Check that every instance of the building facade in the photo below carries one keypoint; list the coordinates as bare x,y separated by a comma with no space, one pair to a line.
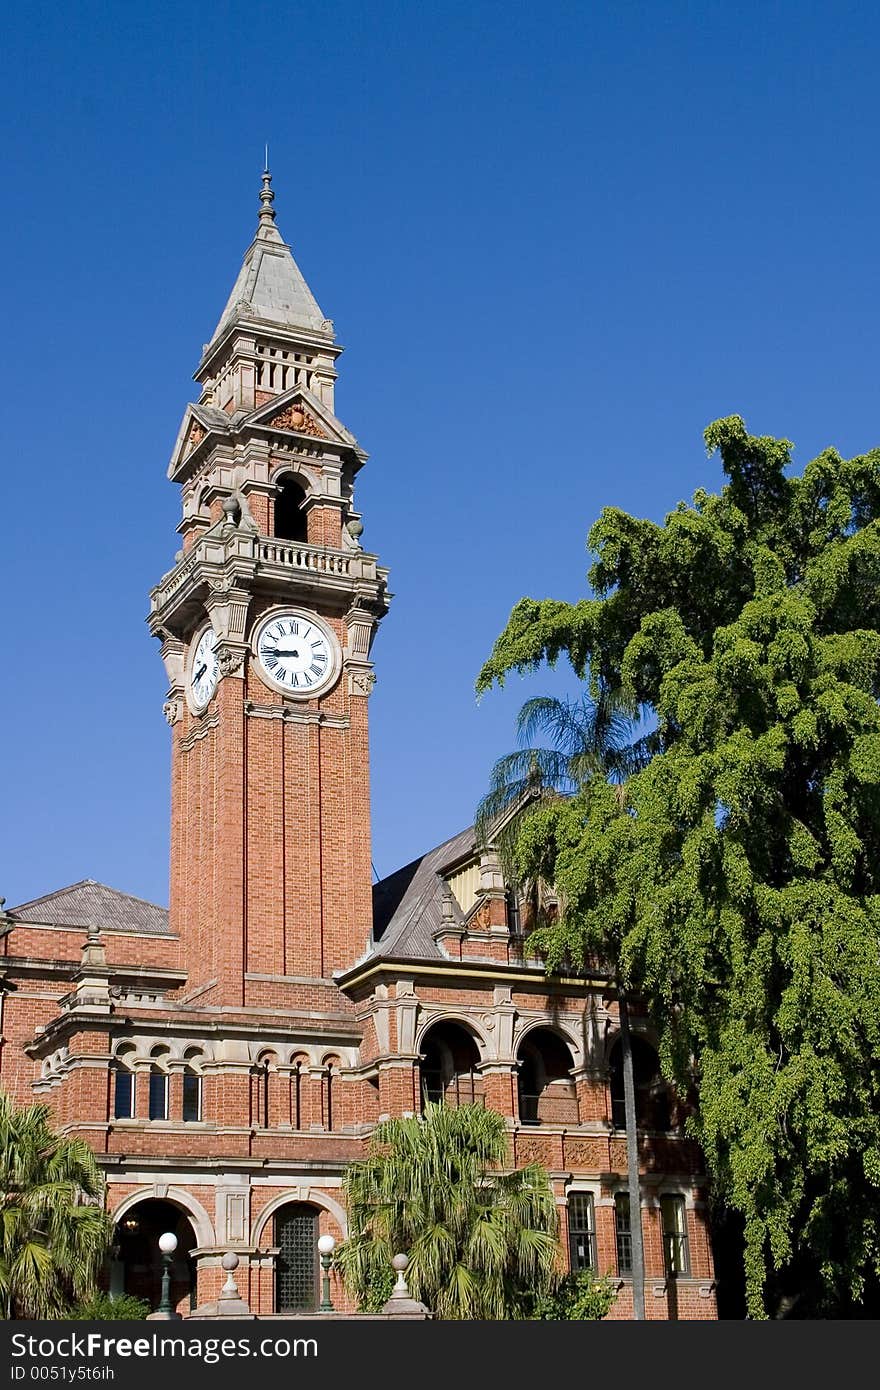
227,1058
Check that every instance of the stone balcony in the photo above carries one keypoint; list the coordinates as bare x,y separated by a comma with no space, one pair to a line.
229,556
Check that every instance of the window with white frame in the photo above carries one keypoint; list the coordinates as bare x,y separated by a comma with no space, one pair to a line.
623,1232
673,1215
581,1231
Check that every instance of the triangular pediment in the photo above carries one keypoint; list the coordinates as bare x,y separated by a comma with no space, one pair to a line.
300,412
198,421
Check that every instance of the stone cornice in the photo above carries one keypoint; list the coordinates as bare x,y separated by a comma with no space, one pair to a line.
486,971
227,558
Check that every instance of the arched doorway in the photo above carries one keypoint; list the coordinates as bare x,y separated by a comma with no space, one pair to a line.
448,1068
135,1259
547,1092
296,1268
652,1093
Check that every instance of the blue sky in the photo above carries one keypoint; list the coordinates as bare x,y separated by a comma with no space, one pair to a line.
557,241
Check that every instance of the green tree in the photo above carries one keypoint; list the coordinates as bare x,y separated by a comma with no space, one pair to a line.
590,739
106,1307
738,886
54,1232
481,1241
581,1297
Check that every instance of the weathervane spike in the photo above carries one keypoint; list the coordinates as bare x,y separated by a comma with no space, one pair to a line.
267,197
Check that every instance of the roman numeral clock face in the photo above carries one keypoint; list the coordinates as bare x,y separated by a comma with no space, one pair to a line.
297,654
204,670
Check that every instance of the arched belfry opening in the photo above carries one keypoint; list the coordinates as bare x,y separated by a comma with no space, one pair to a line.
289,517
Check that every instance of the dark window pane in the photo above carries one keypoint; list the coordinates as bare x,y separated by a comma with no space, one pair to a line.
192,1096
624,1233
158,1095
581,1231
296,1235
123,1100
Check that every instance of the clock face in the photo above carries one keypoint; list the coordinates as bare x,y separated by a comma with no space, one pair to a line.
204,670
295,653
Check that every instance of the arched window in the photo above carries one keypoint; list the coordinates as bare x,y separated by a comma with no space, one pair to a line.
192,1088
158,1093
449,1066
547,1092
290,518
330,1068
296,1095
123,1091
261,1090
652,1094
296,1270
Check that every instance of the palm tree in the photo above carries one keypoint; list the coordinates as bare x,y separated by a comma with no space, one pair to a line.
54,1232
482,1242
590,739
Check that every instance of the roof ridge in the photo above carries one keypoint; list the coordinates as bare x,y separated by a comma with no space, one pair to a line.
86,883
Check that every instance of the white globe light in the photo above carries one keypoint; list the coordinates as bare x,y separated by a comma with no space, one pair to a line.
326,1244
168,1243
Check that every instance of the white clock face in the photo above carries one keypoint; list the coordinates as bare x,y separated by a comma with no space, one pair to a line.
204,670
296,654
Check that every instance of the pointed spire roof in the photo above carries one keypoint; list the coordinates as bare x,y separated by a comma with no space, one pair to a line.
270,284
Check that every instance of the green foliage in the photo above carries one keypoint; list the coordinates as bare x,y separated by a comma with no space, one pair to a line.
480,1241
581,1297
738,885
103,1307
54,1232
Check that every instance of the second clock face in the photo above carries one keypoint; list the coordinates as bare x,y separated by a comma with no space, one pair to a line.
204,670
296,654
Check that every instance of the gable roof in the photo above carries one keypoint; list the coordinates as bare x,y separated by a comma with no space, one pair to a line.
407,905
88,903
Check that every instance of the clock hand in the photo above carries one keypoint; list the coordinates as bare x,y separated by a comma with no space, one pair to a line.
201,671
278,652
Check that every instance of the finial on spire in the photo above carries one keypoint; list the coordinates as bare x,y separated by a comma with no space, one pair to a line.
267,197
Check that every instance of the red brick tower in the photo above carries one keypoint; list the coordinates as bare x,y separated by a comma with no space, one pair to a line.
266,624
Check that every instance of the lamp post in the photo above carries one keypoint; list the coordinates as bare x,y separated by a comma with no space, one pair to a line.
326,1246
167,1245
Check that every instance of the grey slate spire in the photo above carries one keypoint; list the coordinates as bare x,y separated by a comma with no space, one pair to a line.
270,284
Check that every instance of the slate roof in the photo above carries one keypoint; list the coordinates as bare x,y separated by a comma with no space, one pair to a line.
270,283
212,417
407,904
90,903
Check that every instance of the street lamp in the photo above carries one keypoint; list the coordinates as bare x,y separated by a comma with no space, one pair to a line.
167,1245
326,1246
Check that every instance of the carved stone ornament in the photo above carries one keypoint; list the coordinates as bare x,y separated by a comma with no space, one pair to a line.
296,417
229,660
361,682
196,435
172,710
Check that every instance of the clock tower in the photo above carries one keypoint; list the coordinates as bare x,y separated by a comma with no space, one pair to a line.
266,624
